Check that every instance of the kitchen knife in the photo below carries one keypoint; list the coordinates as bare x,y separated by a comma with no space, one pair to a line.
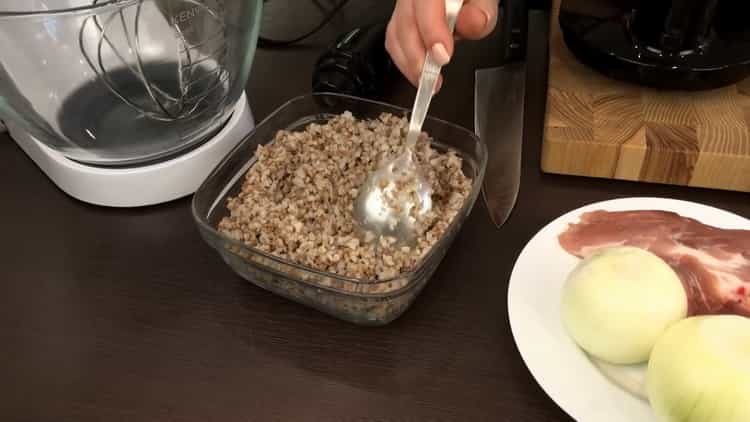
499,101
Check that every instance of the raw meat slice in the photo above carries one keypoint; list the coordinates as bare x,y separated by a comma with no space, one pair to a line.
713,263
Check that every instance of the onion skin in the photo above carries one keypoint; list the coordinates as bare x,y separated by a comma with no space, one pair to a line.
618,302
699,371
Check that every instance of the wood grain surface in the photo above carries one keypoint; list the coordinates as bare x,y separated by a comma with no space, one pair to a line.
599,127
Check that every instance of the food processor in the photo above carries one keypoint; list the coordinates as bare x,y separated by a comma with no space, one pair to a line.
127,103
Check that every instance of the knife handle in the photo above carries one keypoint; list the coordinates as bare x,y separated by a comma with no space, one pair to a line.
514,24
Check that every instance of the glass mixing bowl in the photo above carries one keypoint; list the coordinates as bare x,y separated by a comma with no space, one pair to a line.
360,301
124,82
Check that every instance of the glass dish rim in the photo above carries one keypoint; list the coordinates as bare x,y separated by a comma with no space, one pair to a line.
475,190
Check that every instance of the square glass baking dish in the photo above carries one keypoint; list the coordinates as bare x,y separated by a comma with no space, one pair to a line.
360,301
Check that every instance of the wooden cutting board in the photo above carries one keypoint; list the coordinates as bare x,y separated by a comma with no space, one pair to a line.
599,127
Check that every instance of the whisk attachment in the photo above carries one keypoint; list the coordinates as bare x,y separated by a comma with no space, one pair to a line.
174,53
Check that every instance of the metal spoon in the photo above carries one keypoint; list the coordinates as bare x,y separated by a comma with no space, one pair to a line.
396,194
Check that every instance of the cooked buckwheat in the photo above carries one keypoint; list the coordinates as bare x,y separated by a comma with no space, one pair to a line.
296,200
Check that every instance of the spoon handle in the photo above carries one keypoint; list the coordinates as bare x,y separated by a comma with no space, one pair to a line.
428,80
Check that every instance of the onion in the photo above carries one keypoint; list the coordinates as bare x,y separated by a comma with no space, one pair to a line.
699,371
619,301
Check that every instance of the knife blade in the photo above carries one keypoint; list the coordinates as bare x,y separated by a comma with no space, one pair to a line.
499,101
499,115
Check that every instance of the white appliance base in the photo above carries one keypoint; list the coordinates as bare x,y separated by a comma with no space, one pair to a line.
138,186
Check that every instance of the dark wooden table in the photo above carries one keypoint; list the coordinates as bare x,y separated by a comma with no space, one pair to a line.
126,315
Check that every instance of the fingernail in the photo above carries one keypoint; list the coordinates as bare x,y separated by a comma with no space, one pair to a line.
486,18
440,54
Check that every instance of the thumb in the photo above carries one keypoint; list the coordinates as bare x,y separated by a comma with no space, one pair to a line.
477,19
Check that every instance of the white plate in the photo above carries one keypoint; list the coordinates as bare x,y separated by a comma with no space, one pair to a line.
563,371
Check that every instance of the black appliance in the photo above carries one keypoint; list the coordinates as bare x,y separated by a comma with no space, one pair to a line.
358,64
671,44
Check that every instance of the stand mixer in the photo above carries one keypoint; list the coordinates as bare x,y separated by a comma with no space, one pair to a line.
127,103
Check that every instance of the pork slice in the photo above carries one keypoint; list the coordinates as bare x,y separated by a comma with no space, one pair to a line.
712,263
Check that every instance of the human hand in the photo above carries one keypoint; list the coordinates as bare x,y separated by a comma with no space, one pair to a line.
419,26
